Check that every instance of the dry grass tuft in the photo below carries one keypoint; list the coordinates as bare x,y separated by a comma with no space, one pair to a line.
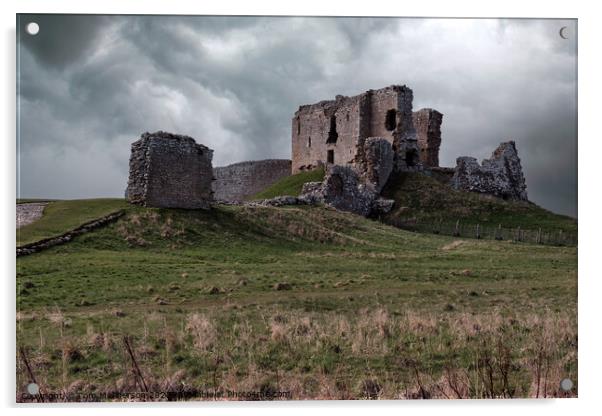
202,330
453,245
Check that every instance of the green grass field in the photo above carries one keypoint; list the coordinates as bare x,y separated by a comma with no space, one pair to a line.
291,185
308,300
62,216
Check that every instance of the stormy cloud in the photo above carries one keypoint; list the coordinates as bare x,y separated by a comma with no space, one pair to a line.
90,85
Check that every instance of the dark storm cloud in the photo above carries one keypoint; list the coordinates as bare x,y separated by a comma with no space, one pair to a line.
91,84
63,39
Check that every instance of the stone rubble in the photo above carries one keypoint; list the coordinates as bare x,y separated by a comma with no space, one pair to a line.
501,175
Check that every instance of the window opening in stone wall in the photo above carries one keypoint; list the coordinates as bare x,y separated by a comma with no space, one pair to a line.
309,141
332,133
330,156
391,120
410,158
298,126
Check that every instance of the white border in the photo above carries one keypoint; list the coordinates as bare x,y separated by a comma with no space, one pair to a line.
590,150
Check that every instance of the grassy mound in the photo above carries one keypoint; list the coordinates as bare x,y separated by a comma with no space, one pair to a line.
291,185
309,300
427,199
62,216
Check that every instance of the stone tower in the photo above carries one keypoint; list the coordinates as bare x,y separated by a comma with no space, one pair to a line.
333,132
170,171
427,123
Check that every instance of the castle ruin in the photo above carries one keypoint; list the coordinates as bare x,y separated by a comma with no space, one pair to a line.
501,175
362,141
240,180
171,171
333,132
427,123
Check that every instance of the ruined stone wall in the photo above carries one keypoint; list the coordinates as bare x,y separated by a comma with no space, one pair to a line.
378,162
171,171
236,182
313,135
339,127
382,101
501,175
427,123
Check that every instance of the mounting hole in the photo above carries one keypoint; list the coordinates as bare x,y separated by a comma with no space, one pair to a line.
33,389
32,28
566,384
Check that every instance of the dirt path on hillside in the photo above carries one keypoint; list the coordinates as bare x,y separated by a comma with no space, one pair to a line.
30,212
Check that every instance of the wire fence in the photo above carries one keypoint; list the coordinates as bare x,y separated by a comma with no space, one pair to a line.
488,232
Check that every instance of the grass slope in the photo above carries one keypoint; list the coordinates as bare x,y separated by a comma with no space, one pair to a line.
364,309
62,216
423,197
291,185
30,200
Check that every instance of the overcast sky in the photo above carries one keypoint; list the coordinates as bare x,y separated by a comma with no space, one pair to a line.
90,85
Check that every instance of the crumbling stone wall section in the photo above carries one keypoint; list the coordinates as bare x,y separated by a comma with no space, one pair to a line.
171,171
333,132
323,129
501,175
345,189
236,182
342,189
377,162
427,123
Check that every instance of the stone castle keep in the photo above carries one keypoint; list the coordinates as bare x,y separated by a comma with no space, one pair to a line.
361,141
334,132
171,171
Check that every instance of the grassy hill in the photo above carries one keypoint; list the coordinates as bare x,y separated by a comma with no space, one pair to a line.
291,185
309,300
62,216
422,197
419,196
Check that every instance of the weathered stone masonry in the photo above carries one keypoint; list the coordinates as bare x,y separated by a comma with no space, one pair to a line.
171,171
501,175
333,132
375,135
427,123
361,140
240,180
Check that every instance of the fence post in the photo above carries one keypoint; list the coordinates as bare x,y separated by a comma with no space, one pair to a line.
498,232
457,230
478,232
561,242
32,377
538,239
137,371
517,234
